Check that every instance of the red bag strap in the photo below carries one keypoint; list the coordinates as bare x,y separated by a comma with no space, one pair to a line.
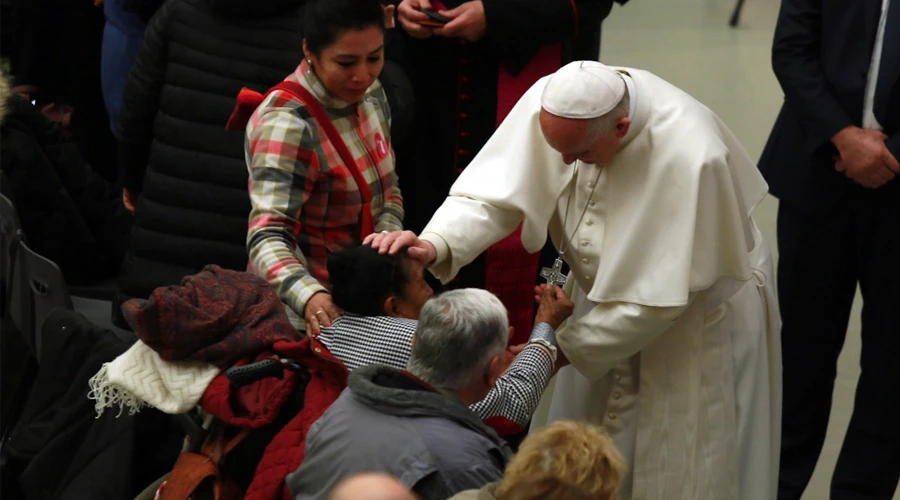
367,225
247,102
191,470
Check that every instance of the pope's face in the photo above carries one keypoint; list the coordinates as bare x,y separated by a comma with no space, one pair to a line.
578,140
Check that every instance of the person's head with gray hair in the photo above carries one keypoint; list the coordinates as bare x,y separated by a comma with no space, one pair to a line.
584,112
460,343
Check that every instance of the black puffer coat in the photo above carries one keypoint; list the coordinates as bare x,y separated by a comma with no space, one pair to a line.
189,171
69,214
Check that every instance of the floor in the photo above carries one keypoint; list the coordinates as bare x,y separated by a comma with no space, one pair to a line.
690,44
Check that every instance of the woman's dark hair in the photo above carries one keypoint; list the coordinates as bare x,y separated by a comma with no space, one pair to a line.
326,19
362,279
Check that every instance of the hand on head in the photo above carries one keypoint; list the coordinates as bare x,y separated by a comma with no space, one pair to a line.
393,243
864,157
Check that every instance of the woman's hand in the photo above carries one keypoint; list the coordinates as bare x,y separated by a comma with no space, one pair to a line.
130,200
320,312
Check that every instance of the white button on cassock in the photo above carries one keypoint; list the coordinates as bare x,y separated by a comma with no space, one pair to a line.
588,222
586,260
585,243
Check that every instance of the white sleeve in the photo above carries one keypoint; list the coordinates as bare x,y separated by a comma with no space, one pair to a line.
613,332
515,178
476,225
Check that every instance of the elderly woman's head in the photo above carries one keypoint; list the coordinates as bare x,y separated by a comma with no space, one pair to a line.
564,461
344,44
367,283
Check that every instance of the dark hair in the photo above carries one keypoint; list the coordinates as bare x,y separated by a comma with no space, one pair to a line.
326,19
362,279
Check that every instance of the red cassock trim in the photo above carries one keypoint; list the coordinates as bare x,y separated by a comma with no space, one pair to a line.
575,14
511,271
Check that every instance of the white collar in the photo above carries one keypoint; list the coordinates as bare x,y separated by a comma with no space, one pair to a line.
638,109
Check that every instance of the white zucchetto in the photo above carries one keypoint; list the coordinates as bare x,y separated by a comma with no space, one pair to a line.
583,90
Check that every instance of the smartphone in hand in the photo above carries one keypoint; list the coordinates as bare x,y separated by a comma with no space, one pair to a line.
436,20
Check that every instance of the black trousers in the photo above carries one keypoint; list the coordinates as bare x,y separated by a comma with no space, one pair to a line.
822,259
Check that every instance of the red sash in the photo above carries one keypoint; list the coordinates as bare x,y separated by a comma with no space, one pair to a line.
247,102
511,272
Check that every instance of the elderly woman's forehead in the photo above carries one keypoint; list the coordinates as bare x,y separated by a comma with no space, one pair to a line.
411,263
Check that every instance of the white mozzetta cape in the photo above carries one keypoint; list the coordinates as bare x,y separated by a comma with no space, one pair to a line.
668,269
678,208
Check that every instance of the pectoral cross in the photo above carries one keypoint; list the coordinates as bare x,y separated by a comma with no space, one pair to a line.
554,274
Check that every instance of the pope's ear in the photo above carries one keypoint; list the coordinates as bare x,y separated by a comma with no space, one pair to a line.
622,127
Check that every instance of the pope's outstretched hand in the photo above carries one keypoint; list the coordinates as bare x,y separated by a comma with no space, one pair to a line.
394,242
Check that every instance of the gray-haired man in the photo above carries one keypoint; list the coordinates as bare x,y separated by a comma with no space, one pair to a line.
415,424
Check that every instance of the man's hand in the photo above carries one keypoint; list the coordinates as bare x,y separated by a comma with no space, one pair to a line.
392,243
411,18
512,352
864,157
320,312
555,306
468,22
129,199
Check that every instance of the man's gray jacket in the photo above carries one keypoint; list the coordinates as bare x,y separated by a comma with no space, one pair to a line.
388,421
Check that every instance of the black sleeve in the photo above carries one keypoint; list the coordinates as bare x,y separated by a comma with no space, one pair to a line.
518,28
397,86
68,211
143,8
795,60
893,145
140,100
401,99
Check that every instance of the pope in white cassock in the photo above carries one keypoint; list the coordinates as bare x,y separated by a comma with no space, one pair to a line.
647,196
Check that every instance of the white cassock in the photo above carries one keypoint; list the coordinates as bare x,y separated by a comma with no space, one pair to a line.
674,342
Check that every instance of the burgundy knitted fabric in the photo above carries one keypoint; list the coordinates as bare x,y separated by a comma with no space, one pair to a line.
217,315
